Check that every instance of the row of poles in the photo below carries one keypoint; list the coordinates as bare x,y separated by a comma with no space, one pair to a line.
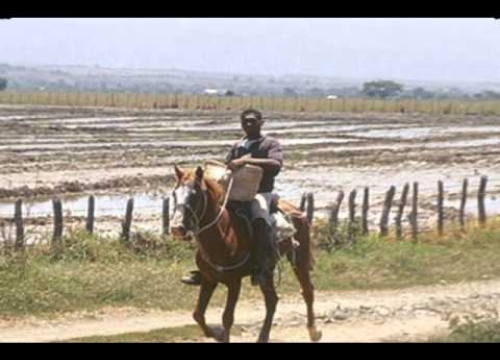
306,205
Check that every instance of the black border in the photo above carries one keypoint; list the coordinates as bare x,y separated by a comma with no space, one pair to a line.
248,8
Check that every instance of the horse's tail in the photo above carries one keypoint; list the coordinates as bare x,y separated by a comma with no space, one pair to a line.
304,254
304,251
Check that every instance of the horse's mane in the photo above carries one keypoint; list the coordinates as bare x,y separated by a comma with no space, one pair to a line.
216,190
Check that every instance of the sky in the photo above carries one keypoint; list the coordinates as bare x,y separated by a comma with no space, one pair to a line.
449,49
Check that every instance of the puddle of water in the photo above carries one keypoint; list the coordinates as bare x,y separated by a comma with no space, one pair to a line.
145,125
465,143
114,205
22,117
151,205
421,132
151,144
106,205
403,146
87,120
491,205
398,134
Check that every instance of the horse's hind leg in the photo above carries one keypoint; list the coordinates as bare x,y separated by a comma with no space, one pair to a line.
206,290
271,300
307,290
302,267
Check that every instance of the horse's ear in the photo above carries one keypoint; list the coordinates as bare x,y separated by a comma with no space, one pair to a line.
199,174
179,174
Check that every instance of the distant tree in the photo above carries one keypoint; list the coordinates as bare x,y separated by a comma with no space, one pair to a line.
382,89
351,91
421,93
316,92
489,94
288,91
104,87
3,84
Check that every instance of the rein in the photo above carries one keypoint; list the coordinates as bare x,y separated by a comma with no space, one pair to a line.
203,252
223,207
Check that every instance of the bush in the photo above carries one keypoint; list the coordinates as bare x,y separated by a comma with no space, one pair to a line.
382,89
3,84
484,328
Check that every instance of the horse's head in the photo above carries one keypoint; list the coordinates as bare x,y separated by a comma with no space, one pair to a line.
190,200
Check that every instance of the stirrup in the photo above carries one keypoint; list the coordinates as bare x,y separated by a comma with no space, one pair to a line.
258,279
193,279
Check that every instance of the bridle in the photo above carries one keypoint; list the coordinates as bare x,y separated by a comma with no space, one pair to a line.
198,231
194,212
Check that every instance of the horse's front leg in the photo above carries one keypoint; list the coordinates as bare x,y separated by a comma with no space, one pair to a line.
271,300
233,292
206,290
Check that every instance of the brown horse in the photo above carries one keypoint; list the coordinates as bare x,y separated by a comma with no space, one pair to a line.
223,254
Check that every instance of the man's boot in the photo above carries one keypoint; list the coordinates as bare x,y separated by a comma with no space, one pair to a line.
193,279
263,252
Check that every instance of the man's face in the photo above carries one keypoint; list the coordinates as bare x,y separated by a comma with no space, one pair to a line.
251,126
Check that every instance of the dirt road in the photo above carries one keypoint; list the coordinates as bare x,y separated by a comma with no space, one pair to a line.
410,314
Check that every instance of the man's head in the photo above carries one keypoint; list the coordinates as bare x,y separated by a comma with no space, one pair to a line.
251,122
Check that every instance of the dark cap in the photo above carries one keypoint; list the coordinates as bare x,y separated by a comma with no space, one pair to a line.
251,114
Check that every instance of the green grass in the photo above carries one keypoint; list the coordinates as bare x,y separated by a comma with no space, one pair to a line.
89,273
376,263
472,329
189,333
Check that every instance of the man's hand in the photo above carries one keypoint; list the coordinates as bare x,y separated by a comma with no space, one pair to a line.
236,163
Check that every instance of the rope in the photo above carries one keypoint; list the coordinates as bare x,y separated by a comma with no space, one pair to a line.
217,267
223,207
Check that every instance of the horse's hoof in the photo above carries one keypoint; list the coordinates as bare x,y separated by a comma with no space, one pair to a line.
217,332
315,334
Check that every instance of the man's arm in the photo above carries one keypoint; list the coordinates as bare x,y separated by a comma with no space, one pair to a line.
231,154
271,165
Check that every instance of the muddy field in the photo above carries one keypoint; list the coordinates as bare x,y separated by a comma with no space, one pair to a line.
118,153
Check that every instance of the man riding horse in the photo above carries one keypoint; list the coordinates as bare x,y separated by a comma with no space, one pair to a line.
266,152
225,245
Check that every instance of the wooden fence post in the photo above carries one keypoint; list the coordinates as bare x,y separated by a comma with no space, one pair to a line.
384,219
414,212
127,223
364,211
303,202
334,216
58,220
166,216
352,214
480,199
90,215
399,215
310,207
462,204
18,220
440,201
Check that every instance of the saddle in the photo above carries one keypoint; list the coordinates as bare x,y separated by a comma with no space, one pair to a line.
242,209
280,209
